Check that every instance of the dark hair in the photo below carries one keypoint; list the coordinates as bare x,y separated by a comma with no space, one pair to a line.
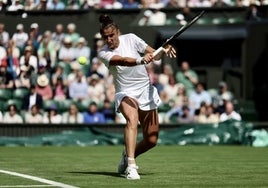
105,22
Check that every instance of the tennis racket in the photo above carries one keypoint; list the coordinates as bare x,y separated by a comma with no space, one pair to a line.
179,32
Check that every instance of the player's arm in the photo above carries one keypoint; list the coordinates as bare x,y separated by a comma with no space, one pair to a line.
129,61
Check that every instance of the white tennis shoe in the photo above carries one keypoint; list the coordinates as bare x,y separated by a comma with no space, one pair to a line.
122,166
132,173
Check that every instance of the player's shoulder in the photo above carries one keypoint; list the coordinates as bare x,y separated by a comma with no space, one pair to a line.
128,35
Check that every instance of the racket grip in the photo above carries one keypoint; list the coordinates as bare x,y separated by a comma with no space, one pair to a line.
159,50
157,54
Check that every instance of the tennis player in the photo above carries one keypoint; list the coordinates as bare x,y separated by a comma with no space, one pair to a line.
135,97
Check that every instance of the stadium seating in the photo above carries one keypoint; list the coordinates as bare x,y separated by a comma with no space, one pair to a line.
5,94
20,93
65,104
16,102
47,104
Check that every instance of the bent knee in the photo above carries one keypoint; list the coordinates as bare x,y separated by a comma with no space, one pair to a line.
152,141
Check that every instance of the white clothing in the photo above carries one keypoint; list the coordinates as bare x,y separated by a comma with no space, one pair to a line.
20,39
32,61
12,119
234,115
131,81
56,119
157,18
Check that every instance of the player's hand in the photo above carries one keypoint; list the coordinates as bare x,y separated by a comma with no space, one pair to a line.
147,58
170,51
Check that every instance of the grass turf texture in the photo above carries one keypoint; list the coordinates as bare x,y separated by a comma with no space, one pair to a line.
162,167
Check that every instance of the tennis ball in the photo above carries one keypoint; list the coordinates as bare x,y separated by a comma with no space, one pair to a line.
82,60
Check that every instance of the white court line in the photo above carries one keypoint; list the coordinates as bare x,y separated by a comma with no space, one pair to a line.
27,186
54,183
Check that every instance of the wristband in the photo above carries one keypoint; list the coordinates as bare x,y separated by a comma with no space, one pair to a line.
139,61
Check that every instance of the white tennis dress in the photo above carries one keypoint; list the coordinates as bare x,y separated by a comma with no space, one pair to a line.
131,81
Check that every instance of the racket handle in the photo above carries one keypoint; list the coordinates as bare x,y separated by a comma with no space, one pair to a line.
158,51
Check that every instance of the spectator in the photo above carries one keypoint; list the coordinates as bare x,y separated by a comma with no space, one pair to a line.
230,113
98,67
108,111
29,59
171,88
60,91
95,89
14,50
253,13
12,115
199,96
52,116
166,74
73,116
42,5
73,5
59,74
75,68
42,69
55,5
78,88
221,94
6,79
67,53
82,49
92,115
71,32
47,49
181,114
4,36
3,5
33,116
20,37
187,77
131,4
36,36
11,62
220,3
206,114
15,6
3,54
43,87
110,4
58,36
29,5
157,18
23,80
181,96
33,98
156,83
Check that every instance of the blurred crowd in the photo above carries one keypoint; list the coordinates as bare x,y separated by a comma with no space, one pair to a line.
41,81
28,5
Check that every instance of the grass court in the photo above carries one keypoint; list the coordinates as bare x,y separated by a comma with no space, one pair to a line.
162,167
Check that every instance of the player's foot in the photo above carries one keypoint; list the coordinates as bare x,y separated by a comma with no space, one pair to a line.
132,173
123,163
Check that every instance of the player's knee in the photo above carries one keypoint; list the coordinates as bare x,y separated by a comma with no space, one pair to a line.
152,141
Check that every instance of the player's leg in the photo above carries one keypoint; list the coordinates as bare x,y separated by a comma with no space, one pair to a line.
129,109
150,128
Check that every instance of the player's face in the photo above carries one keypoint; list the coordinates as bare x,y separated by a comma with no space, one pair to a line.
110,37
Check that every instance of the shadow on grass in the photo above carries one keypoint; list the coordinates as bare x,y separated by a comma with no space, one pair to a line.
112,174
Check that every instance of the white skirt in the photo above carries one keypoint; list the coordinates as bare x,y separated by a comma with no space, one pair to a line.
148,98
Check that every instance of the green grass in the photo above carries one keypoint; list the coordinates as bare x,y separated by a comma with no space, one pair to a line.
162,167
